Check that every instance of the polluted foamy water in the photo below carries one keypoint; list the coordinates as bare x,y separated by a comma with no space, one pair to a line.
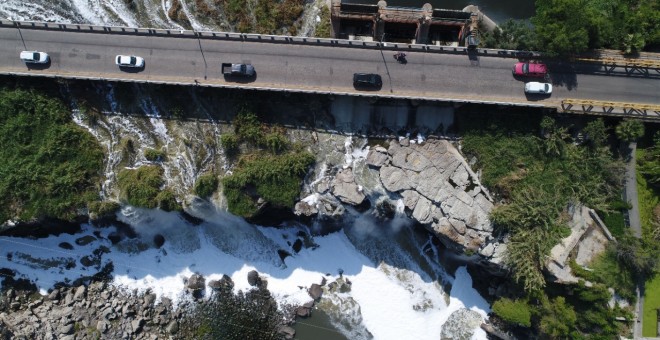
396,291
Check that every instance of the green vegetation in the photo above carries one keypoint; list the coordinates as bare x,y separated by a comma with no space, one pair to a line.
537,178
166,200
565,27
516,312
270,17
206,185
558,319
98,209
229,142
651,307
324,29
629,130
276,179
140,187
511,35
272,169
153,155
226,315
49,167
537,173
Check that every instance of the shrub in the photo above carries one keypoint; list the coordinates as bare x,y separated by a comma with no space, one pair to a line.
274,178
323,29
139,187
229,142
101,209
206,185
516,312
558,318
153,155
49,166
167,201
275,142
248,127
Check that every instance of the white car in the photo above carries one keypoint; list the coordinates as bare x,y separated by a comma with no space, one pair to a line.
34,57
129,61
536,87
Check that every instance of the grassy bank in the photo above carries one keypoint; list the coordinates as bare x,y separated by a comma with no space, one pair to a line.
651,306
49,166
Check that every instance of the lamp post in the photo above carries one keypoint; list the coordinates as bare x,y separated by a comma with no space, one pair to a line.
19,31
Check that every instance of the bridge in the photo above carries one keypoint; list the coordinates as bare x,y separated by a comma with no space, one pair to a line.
437,73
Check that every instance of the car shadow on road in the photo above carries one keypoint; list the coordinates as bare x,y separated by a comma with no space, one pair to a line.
562,74
131,69
240,79
534,97
33,66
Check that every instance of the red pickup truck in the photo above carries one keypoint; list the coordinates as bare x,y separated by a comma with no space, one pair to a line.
530,70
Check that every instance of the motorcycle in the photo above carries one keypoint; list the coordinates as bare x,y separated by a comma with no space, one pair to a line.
400,57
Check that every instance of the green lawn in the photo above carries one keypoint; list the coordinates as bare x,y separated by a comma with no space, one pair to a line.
651,306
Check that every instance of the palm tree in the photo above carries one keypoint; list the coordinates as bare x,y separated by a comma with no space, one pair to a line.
629,130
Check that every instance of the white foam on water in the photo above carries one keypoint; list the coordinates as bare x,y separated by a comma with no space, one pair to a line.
395,302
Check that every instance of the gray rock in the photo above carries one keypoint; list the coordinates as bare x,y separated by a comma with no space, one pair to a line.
172,327
85,240
459,226
136,325
68,337
303,208
428,183
461,325
150,298
196,282
377,157
287,331
54,295
422,212
464,197
315,291
66,329
80,293
253,278
68,300
483,203
102,326
345,188
394,179
460,211
410,198
410,160
461,177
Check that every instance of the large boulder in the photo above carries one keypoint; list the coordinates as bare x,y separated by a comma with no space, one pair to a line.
394,179
345,188
377,157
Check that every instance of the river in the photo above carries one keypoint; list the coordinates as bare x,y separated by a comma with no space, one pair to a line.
498,10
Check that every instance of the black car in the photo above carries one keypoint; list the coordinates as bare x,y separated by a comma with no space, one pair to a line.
367,80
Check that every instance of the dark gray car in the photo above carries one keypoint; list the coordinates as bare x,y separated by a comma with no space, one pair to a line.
367,80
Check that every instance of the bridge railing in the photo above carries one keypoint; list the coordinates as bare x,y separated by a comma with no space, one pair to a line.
262,38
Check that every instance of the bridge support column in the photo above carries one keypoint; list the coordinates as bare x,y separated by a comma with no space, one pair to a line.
335,22
424,24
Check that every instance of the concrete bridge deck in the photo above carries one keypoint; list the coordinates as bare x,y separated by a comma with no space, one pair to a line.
307,65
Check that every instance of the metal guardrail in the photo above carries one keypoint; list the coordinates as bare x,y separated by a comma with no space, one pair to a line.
248,37
277,89
648,112
623,62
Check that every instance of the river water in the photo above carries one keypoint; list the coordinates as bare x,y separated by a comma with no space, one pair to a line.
498,10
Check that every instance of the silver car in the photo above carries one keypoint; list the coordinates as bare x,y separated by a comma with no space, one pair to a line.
34,57
536,87
129,61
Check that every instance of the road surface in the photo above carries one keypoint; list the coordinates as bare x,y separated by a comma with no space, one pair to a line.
306,67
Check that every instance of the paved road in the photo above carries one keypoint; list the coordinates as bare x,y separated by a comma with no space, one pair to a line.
636,226
304,67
